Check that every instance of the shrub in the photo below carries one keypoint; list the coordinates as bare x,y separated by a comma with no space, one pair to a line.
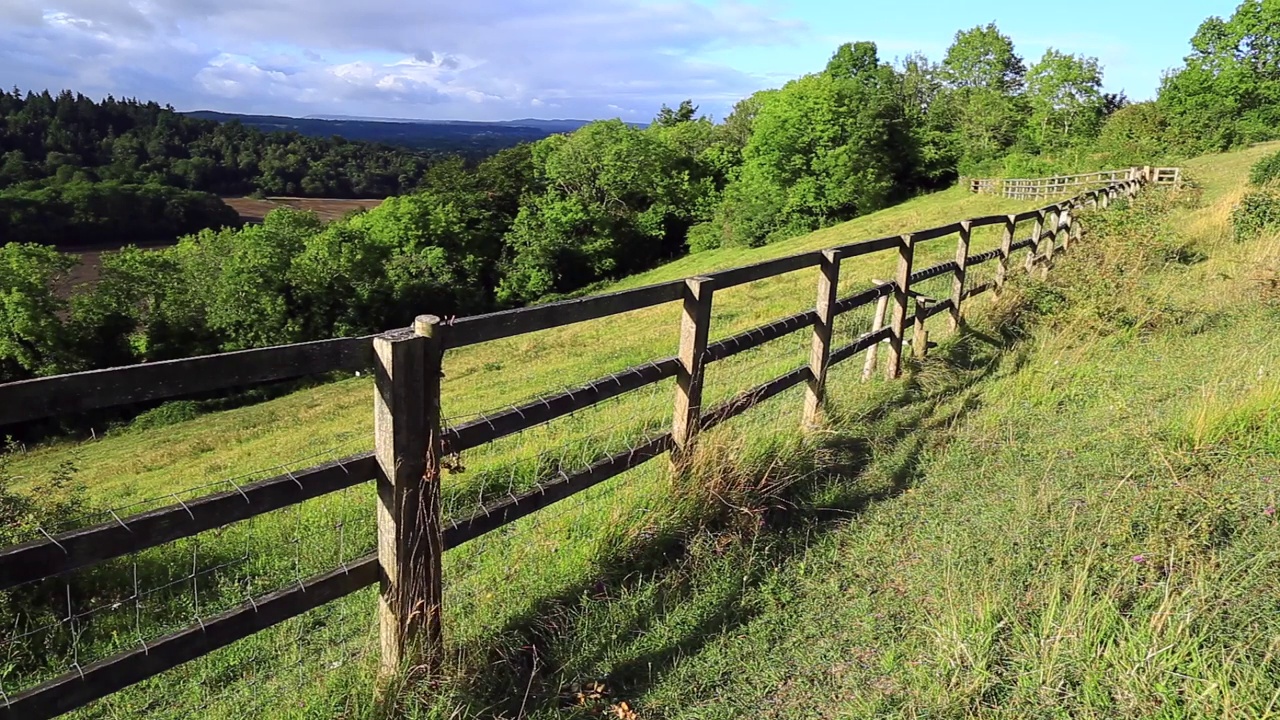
1266,171
170,413
1258,211
704,236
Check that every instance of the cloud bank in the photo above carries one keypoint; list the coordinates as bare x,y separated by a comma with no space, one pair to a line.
397,58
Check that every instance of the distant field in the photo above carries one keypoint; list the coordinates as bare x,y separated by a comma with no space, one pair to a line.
253,210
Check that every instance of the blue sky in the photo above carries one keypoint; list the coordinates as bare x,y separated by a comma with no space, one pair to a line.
504,59
1136,40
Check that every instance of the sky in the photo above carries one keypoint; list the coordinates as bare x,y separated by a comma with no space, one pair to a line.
508,59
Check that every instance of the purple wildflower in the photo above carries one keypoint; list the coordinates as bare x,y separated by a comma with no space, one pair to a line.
1139,559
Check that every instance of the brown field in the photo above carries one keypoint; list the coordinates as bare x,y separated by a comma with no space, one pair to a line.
252,210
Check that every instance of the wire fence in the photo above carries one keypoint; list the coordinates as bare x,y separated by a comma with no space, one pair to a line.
65,623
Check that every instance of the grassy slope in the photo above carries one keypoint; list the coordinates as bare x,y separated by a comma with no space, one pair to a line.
1079,525
137,464
503,580
962,543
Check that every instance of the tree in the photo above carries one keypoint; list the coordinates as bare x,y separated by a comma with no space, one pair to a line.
33,340
826,147
979,105
936,154
1065,95
1135,135
1228,90
667,117
609,197
983,58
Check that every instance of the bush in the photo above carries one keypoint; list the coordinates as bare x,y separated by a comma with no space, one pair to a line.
704,236
1258,211
170,413
1266,171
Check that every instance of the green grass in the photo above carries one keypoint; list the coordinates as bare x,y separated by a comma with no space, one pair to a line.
1056,515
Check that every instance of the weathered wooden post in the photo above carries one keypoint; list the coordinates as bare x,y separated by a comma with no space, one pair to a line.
406,422
820,350
957,282
695,325
1036,232
1053,238
1002,263
898,321
920,338
1065,224
877,323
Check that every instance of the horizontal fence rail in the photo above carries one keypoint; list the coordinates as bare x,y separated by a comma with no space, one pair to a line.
410,442
1033,188
96,389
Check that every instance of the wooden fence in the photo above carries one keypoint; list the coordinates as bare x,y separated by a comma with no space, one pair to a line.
1036,188
410,442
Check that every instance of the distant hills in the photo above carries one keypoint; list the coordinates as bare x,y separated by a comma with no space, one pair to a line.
466,137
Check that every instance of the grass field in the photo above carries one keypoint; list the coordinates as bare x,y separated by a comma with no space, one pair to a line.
1066,512
253,210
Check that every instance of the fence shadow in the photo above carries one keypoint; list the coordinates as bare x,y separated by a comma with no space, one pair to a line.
528,652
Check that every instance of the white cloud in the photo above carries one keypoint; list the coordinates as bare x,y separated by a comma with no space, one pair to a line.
404,59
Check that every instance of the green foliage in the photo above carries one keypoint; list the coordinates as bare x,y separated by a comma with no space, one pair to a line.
667,117
824,148
33,340
71,138
170,413
1228,91
85,213
1266,171
704,236
1064,93
984,58
611,197
979,107
1135,135
1257,212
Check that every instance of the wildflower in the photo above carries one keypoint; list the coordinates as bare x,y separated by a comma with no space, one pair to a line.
1139,559
1269,510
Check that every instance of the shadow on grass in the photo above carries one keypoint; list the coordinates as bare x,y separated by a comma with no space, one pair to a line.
551,658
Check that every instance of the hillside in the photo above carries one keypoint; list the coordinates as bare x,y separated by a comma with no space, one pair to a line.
1069,507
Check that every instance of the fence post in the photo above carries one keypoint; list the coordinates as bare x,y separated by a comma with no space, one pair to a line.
820,350
1002,263
898,321
877,322
406,422
1053,237
695,325
1035,241
957,282
1066,226
920,339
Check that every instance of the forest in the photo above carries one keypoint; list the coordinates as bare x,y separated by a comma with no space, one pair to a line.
70,138
468,139
569,212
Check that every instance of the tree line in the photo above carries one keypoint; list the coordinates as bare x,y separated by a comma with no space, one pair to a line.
47,139
573,211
